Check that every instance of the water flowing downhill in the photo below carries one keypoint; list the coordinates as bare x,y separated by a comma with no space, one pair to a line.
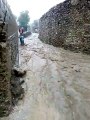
57,83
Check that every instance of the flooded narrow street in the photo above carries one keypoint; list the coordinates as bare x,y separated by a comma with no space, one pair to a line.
57,83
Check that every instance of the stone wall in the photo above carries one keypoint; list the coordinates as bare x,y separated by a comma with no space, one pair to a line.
65,25
5,74
9,58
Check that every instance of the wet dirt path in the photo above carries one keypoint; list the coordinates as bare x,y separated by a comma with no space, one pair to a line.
57,84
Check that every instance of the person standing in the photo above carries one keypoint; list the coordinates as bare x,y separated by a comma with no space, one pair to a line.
21,31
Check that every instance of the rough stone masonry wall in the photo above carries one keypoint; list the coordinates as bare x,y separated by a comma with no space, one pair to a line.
9,84
5,74
67,25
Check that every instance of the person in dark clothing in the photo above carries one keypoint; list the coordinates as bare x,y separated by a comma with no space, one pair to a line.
21,30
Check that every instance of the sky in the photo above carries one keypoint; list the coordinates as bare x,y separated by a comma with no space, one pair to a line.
36,8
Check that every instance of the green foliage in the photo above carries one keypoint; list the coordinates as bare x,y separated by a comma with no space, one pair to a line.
24,18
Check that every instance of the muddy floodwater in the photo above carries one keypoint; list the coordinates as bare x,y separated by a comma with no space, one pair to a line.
57,83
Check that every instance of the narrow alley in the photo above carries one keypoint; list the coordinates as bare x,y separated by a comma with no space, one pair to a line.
57,83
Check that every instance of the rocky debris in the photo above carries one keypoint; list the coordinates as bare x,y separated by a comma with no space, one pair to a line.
16,90
2,45
22,81
18,72
65,26
16,84
3,36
